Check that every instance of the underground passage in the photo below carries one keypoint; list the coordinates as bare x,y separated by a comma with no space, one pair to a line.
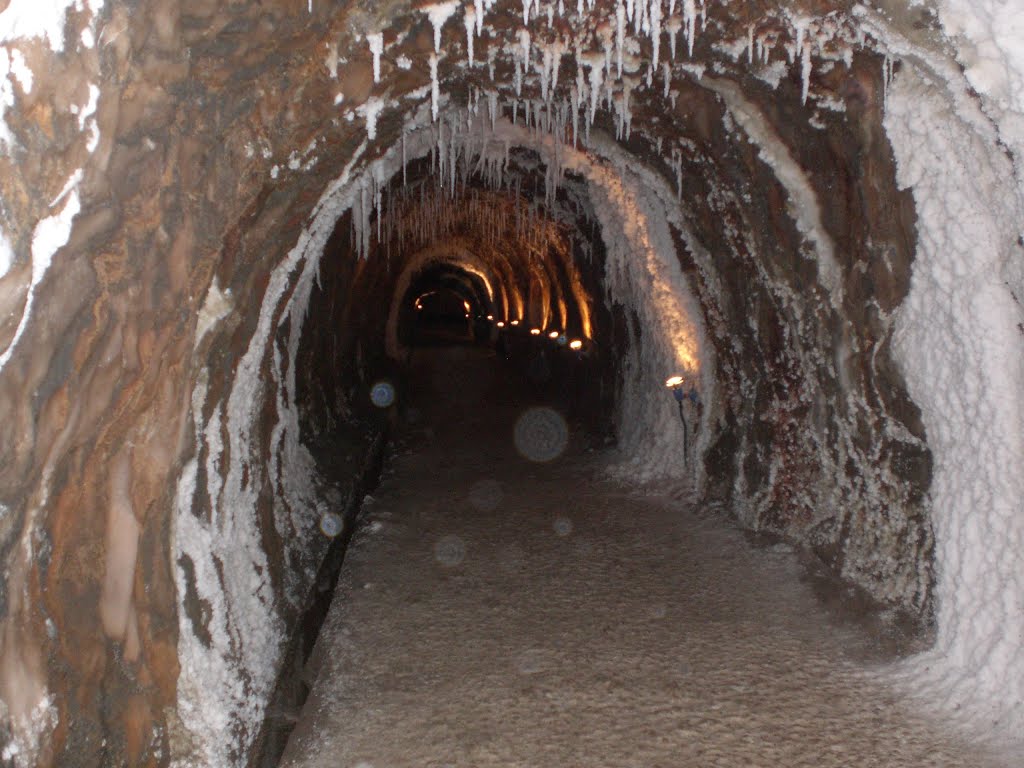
544,383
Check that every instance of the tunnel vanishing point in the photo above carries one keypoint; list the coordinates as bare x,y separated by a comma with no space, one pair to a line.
215,217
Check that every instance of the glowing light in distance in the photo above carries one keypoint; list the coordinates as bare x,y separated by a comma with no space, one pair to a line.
490,317
553,335
576,344
466,305
500,324
514,322
535,331
673,381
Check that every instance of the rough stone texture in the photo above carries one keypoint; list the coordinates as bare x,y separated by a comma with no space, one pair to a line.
218,131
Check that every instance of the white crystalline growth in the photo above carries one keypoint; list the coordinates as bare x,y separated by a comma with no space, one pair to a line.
42,19
438,14
6,254
370,111
961,351
228,668
990,34
376,42
49,236
802,201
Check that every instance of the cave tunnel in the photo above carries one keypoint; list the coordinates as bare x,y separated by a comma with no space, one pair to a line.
601,383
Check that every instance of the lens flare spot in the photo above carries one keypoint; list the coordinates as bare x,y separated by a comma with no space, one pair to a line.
486,495
331,524
450,551
382,394
541,434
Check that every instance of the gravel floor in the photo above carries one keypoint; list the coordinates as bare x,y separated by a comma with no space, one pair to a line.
494,612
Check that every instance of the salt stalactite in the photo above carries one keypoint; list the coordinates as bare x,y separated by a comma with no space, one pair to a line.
750,44
690,21
666,69
517,77
551,15
371,111
376,43
558,50
800,26
575,96
438,15
545,69
805,72
492,105
526,11
655,17
579,8
524,44
435,89
620,24
561,8
404,179
596,74
470,21
886,80
673,25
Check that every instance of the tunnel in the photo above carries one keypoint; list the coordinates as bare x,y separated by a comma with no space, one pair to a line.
589,338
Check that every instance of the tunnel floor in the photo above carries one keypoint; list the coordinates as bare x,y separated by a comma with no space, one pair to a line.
494,612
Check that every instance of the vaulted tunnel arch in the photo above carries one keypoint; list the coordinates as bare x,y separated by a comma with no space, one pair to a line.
213,218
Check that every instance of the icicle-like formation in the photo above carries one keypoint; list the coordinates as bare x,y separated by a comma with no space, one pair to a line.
575,106
673,25
545,69
376,43
596,76
750,44
438,14
524,44
478,5
492,53
492,106
526,11
435,89
404,179
371,111
805,72
690,21
620,36
886,80
470,21
655,21
557,50
666,69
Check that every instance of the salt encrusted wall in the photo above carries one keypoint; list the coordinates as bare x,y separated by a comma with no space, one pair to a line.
159,232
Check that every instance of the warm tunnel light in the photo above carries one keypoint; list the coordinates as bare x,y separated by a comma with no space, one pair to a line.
500,324
673,381
514,322
490,317
554,335
576,344
535,331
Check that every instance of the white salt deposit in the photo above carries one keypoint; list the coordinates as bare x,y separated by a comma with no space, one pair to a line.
962,354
